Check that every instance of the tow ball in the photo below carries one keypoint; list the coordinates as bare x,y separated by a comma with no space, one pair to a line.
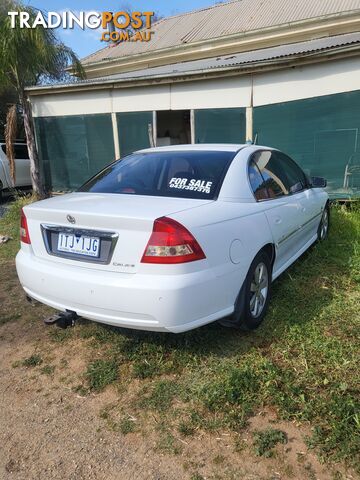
62,319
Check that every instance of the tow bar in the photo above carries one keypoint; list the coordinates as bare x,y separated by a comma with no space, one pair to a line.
62,319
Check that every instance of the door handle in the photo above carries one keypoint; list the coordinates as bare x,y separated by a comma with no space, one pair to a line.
278,220
303,209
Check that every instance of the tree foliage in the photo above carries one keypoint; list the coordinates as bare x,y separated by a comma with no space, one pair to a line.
30,56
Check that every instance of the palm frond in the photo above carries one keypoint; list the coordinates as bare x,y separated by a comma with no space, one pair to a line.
27,55
10,136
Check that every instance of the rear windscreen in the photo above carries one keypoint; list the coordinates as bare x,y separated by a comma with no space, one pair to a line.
186,174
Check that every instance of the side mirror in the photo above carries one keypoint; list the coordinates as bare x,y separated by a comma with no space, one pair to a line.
318,182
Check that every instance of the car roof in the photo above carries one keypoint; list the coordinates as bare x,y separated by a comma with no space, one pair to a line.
214,147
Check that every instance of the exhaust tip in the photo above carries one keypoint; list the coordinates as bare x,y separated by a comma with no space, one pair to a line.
31,300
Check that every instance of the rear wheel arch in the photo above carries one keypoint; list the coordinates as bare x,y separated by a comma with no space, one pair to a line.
269,249
237,320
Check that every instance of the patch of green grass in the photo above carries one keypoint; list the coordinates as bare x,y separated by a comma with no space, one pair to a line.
266,440
196,476
144,369
9,318
237,385
48,369
167,443
81,390
10,225
32,361
186,428
161,395
60,335
101,373
239,444
127,425
339,438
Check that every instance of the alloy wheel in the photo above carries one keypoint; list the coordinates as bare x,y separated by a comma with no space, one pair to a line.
259,290
324,225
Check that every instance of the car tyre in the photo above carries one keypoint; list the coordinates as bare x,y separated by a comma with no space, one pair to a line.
324,225
253,299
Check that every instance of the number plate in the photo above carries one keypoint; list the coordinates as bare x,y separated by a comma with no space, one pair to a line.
79,245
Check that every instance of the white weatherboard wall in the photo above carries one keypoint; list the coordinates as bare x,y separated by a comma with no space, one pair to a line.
216,93
268,88
82,103
141,99
310,81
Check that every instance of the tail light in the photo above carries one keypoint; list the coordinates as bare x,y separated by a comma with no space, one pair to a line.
24,230
171,242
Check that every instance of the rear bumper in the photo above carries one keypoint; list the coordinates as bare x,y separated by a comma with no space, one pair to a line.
170,303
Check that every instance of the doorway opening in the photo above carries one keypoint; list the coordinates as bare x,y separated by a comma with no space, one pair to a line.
173,127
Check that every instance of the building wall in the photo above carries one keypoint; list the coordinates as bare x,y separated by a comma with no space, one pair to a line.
297,110
272,87
321,134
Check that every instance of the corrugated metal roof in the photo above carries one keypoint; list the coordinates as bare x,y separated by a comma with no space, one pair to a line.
236,60
226,62
223,20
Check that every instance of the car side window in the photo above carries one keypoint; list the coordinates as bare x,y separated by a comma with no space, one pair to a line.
257,182
20,151
275,179
296,178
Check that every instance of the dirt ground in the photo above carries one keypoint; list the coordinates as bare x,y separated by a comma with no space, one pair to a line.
48,431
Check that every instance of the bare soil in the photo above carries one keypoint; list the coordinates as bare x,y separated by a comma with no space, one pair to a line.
50,431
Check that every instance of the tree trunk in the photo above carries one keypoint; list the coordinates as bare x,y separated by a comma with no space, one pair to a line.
38,187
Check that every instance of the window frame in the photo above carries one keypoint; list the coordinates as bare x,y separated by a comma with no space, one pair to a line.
251,159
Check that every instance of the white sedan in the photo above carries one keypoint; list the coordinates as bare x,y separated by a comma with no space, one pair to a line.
22,168
172,238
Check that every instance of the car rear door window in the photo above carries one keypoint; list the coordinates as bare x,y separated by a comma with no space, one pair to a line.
279,173
187,174
274,177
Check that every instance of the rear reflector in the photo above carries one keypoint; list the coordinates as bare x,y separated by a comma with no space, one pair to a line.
171,242
24,231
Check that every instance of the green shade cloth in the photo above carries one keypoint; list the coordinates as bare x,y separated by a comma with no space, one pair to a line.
133,130
73,148
321,134
220,125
